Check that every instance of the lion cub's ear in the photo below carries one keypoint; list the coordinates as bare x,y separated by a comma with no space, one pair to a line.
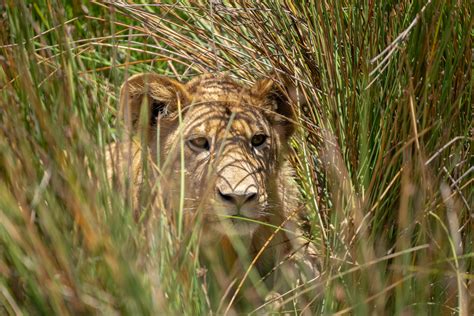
160,94
278,100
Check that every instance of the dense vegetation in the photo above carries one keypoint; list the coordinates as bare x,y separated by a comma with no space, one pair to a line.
382,152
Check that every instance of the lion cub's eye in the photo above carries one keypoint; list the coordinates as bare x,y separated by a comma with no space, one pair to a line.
199,143
258,140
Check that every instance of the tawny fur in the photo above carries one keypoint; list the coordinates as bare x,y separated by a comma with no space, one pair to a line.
227,114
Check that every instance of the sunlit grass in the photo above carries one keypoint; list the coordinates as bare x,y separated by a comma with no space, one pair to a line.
382,151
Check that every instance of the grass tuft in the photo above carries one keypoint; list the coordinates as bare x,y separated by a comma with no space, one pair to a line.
382,152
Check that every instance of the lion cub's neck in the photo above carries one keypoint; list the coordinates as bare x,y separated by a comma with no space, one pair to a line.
224,252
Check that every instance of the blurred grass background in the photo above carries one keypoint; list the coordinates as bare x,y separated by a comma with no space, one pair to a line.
383,150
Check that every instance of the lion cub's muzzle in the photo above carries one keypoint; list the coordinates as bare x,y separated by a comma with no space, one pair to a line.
238,193
239,200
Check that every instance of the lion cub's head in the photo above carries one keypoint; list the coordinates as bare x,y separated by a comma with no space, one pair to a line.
229,137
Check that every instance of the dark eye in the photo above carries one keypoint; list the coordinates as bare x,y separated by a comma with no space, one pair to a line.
199,143
258,140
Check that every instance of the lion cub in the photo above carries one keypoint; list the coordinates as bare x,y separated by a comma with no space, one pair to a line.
228,142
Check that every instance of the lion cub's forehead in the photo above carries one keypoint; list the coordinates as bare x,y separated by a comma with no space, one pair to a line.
216,119
216,87
219,101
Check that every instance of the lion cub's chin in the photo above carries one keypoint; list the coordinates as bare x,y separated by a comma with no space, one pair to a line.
236,227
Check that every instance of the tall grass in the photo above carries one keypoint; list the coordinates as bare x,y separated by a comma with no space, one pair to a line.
382,153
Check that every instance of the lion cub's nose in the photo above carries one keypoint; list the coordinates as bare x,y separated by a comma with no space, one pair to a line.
237,197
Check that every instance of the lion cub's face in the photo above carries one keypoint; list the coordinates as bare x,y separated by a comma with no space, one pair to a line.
231,138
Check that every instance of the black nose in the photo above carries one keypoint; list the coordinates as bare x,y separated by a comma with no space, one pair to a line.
237,198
